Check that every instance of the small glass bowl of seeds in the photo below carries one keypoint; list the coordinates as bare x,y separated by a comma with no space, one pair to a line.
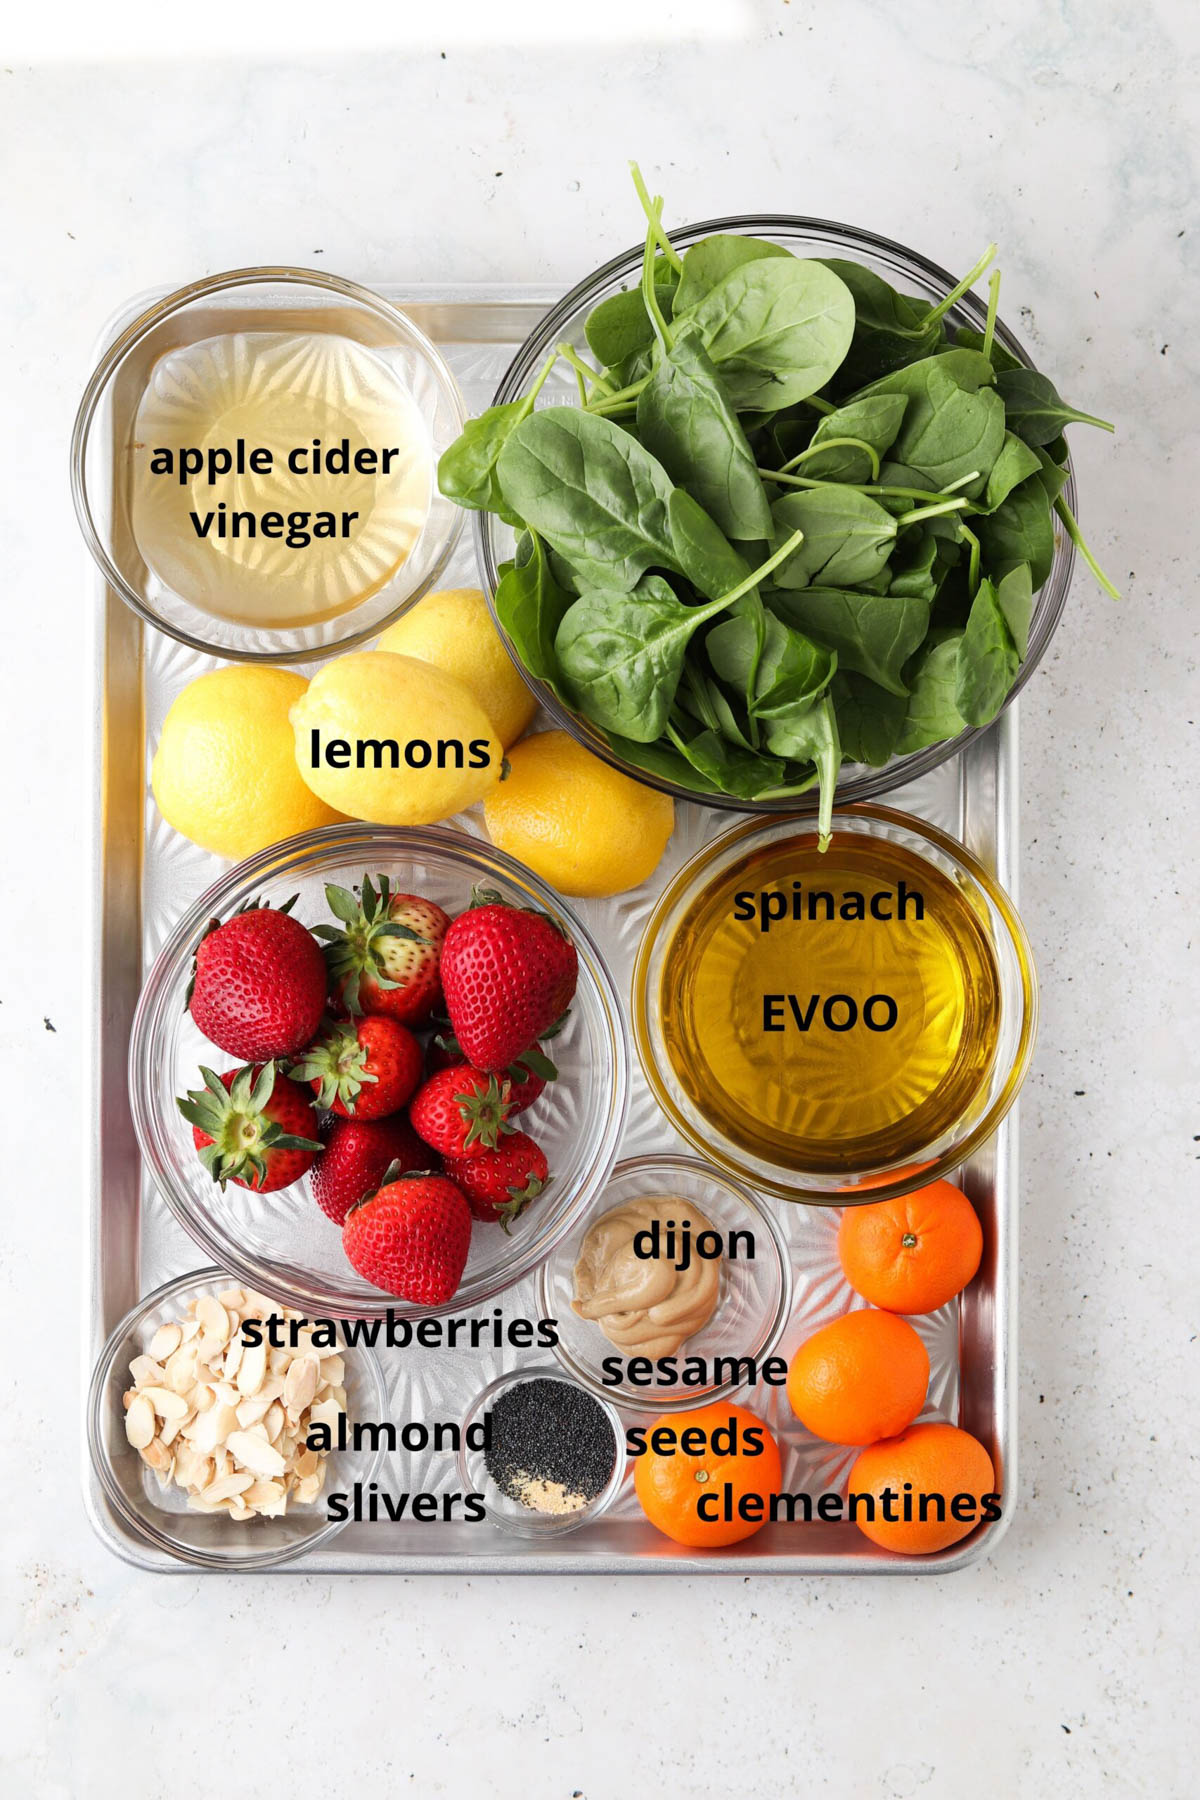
552,1456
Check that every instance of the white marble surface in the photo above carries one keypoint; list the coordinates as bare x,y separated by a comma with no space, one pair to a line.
1069,133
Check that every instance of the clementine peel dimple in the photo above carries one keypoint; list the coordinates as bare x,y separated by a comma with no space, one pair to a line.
913,1254
687,1494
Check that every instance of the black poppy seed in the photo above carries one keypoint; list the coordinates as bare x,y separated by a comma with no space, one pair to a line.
552,1432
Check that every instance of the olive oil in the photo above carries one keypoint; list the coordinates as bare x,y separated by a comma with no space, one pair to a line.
833,1012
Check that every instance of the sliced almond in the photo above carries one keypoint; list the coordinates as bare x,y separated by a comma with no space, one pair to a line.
232,1299
252,1369
139,1422
211,1429
254,1453
214,1320
228,1486
165,1340
156,1455
306,1462
300,1384
146,1369
166,1403
202,1397
333,1370
235,1350
252,1411
180,1369
273,1422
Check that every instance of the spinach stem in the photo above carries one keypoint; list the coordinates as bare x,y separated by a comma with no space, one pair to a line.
938,313
933,512
837,443
973,563
857,487
822,406
649,298
607,402
989,329
584,369
1071,526
543,377
952,487
655,222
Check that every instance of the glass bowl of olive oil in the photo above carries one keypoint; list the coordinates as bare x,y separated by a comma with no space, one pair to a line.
253,464
835,1027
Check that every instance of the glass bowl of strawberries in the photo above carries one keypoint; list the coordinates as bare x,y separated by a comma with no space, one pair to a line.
378,1070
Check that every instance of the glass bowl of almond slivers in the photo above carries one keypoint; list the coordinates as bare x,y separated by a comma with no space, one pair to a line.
215,1418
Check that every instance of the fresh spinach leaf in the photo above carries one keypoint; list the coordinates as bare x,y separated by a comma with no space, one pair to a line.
777,329
848,537
1014,595
702,552
1020,530
1051,473
467,470
1015,464
874,421
811,735
932,715
789,672
712,259
1033,408
869,719
873,634
592,492
949,430
530,606
620,327
621,655
685,419
662,760
987,659
998,356
728,767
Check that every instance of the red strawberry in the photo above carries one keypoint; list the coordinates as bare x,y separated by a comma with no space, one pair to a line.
411,1238
358,1154
508,975
258,984
362,1070
501,1183
383,958
526,1077
461,1111
253,1127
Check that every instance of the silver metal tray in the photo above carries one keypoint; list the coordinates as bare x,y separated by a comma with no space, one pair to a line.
144,874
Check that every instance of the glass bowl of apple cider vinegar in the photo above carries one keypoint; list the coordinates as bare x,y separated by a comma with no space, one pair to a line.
254,464
835,1027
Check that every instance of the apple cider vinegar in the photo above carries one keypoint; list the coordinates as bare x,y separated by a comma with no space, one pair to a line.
279,478
831,1012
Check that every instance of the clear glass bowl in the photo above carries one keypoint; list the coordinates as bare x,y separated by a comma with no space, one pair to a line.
509,1514
266,299
913,274
1016,1027
160,1515
282,1244
753,1302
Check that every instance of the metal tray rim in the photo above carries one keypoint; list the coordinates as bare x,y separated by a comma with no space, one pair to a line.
1000,743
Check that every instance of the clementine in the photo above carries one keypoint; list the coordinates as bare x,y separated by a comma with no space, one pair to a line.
913,1254
934,1469
863,1377
707,1477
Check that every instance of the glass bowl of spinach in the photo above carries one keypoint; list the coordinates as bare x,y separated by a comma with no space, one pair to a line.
770,507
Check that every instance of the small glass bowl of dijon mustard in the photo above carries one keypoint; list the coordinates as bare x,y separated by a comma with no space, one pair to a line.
673,1284
836,1025
254,463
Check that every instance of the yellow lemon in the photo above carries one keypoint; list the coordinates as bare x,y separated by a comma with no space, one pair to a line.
394,740
579,824
225,772
453,630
